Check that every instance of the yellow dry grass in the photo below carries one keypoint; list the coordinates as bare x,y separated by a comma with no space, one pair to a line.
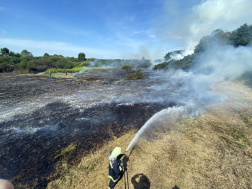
211,151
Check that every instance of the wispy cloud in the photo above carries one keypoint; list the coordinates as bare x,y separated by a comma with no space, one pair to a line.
152,36
53,47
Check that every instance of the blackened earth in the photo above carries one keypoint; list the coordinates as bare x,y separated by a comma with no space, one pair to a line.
42,115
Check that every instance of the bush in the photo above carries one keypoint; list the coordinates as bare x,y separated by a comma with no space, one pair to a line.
86,64
137,74
4,67
15,60
36,68
126,68
144,63
163,65
24,64
64,64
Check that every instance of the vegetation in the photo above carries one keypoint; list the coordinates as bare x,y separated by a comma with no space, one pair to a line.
81,57
26,62
69,148
169,55
73,70
137,74
126,67
239,37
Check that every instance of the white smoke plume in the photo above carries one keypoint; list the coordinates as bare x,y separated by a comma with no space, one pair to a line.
208,16
223,62
226,62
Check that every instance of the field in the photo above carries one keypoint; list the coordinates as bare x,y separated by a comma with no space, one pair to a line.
45,120
57,132
211,151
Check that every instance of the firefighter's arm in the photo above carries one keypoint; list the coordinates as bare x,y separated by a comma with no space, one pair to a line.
121,163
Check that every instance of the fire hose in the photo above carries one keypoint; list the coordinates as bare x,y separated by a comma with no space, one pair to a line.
122,165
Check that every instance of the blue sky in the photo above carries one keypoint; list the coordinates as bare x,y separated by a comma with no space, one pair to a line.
114,28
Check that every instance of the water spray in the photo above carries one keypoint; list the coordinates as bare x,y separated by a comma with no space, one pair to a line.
168,113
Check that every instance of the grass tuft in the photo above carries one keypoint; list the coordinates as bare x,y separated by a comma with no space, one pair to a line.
66,150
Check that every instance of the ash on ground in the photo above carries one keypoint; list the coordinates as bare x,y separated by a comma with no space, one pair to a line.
42,115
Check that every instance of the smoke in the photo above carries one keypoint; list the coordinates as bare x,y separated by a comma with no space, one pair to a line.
32,130
215,64
225,62
117,63
205,17
180,55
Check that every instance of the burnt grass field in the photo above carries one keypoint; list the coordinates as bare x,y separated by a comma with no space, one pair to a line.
41,116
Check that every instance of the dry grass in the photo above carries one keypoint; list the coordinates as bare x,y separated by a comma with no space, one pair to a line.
211,151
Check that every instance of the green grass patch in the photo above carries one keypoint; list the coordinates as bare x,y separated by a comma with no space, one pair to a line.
237,135
239,138
73,70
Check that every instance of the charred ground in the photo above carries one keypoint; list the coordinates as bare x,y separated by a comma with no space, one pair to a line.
42,116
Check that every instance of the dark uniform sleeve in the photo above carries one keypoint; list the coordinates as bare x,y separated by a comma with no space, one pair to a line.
116,167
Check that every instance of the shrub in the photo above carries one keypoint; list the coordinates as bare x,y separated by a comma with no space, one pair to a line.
5,67
163,65
36,68
126,67
64,64
137,74
15,60
24,64
86,64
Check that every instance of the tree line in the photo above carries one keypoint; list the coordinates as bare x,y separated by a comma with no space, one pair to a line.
239,37
25,61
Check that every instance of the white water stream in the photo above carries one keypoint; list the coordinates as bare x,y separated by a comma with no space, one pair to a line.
168,113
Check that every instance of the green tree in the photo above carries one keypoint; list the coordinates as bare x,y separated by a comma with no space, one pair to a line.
81,56
46,55
11,53
24,64
168,55
17,55
242,36
5,51
26,53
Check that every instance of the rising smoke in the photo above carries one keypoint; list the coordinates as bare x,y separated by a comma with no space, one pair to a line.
226,63
223,62
208,16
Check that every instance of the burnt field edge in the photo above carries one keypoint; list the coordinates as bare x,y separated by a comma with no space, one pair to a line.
88,131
